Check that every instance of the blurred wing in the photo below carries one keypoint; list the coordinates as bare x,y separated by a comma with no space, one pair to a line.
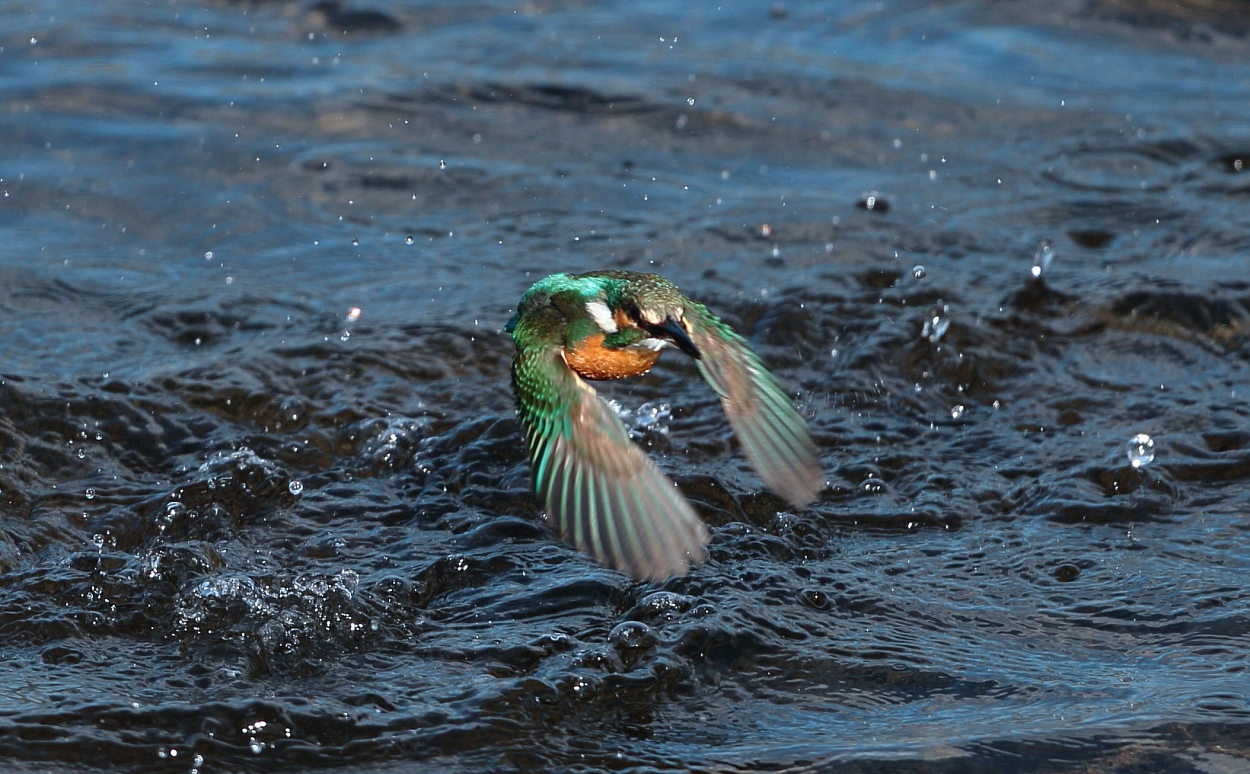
604,494
771,432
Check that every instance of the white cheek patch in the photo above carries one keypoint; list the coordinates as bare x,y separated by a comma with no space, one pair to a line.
602,316
653,344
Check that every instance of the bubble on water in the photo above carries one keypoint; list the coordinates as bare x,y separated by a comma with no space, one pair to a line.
1042,257
208,256
918,272
90,494
174,511
632,635
957,412
665,602
295,487
1141,450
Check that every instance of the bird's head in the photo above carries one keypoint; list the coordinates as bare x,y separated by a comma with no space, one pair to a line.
647,303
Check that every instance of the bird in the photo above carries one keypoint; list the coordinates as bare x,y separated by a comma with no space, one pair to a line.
602,492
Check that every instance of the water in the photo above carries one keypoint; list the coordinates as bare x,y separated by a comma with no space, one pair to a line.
263,502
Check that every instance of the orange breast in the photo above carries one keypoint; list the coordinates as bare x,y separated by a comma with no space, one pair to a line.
591,360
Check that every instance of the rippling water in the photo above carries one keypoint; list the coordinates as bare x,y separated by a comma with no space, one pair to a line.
263,503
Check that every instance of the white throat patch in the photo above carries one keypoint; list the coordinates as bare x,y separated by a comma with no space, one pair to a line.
602,316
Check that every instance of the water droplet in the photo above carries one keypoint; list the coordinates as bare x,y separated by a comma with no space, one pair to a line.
690,101
81,453
442,164
355,242
295,487
408,240
766,230
208,256
90,494
917,272
935,327
256,746
1141,450
1042,258
957,412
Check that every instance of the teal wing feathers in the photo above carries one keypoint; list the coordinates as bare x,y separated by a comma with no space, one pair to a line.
602,492
771,432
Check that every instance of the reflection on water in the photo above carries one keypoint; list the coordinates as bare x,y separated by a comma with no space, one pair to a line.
263,501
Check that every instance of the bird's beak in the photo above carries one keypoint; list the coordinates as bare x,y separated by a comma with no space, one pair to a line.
673,331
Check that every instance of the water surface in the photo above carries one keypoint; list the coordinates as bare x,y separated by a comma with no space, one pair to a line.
263,502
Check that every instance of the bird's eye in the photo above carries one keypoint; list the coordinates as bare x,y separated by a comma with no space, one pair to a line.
633,313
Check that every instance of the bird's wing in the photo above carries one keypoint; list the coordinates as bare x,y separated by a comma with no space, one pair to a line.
602,492
771,432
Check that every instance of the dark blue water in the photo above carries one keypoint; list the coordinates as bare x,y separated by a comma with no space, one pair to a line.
263,501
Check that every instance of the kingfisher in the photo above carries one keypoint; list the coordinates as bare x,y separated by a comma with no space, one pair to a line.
602,492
